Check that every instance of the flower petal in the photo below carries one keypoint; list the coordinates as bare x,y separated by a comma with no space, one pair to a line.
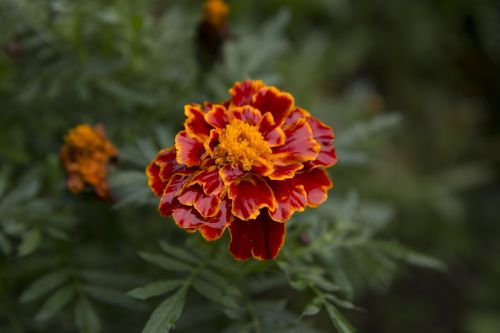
206,205
162,168
287,171
271,132
168,199
195,125
229,174
211,143
210,180
242,92
324,135
217,116
316,184
278,103
248,114
300,146
263,166
290,198
186,218
249,196
295,115
261,238
211,229
215,227
155,183
188,150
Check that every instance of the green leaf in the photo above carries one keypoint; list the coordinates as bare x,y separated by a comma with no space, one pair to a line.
43,285
214,294
55,303
410,256
342,302
154,289
164,262
113,297
178,252
86,318
313,308
166,314
30,242
341,324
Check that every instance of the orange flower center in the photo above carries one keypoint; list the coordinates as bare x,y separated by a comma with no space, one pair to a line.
241,145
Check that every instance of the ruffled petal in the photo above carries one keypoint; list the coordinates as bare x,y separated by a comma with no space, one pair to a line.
211,229
168,199
242,92
249,196
278,103
188,150
230,174
206,205
286,171
290,198
155,183
324,135
210,180
248,114
211,143
162,168
295,115
261,238
195,125
186,218
316,184
217,116
300,145
215,227
263,166
271,132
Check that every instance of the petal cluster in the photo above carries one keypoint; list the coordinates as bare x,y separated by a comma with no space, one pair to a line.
85,156
248,165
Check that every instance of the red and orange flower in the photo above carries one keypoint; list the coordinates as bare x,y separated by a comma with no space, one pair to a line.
247,164
85,156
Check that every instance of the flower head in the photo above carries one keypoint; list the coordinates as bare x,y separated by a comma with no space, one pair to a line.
247,164
85,156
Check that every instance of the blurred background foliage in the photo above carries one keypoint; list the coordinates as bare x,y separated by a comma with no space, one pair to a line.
411,88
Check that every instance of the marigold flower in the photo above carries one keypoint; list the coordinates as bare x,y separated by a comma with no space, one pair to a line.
211,33
248,165
85,156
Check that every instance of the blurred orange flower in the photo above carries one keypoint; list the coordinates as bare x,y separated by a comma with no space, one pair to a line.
216,12
85,156
247,164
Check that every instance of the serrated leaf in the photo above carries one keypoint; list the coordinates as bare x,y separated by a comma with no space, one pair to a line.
178,252
55,303
340,322
86,318
43,285
165,316
165,262
154,289
30,242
